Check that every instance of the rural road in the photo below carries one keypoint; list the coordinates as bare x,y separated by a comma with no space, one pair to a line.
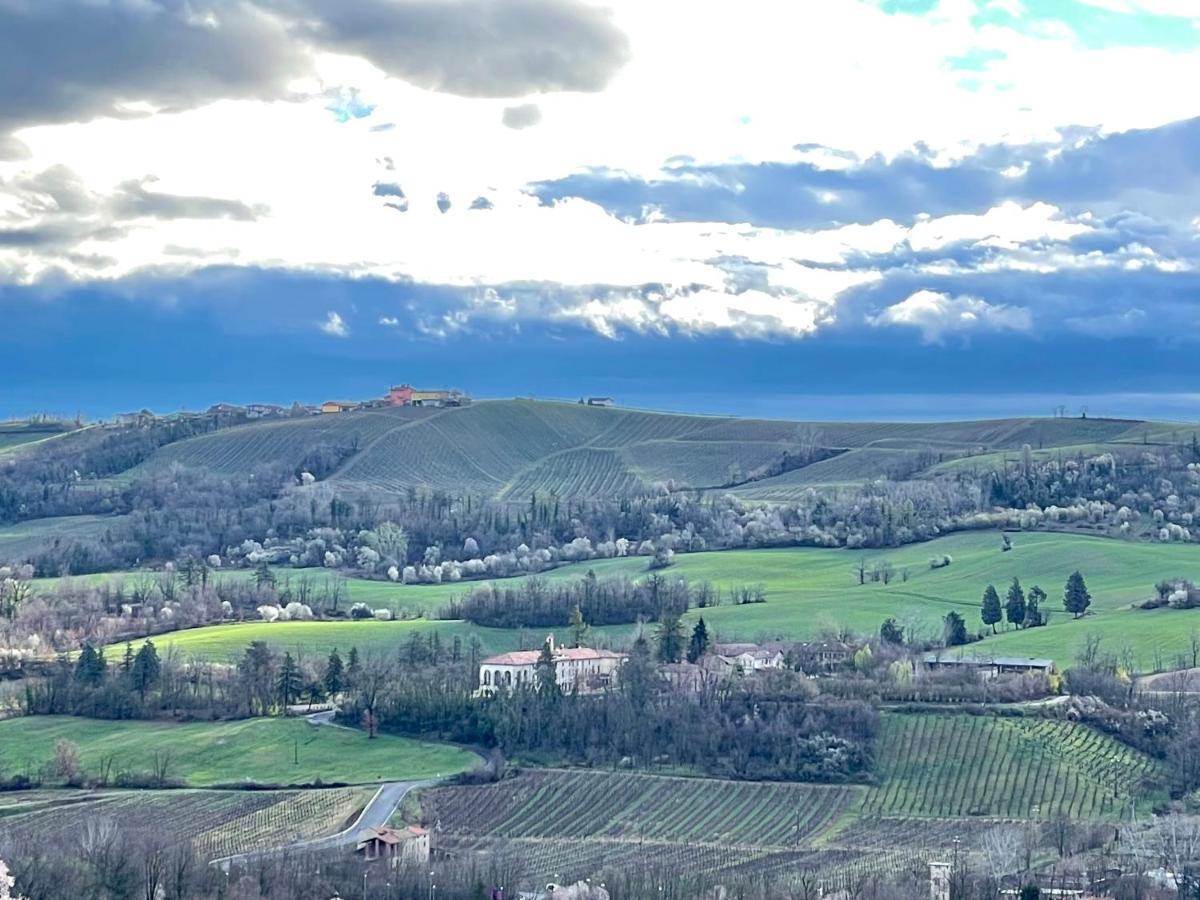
375,814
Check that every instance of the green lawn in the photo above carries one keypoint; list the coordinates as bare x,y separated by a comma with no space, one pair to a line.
810,590
250,750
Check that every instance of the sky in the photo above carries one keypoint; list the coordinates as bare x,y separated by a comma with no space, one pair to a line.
832,209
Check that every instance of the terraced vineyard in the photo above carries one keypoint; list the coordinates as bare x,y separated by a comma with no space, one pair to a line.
508,449
628,807
960,765
293,816
216,822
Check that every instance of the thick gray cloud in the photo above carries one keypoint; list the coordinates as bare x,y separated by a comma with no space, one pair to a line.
54,210
67,61
524,116
133,201
475,48
72,60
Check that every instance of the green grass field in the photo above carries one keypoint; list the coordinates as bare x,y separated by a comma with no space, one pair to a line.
17,541
811,590
251,750
961,765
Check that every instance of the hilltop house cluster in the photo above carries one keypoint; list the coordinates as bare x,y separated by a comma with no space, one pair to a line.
582,669
233,414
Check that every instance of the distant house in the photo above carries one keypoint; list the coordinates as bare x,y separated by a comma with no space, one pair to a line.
581,668
338,406
398,845
749,657
990,666
709,671
601,401
226,410
145,417
263,410
407,395
825,655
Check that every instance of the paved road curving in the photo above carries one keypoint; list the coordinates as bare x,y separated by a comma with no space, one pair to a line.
376,813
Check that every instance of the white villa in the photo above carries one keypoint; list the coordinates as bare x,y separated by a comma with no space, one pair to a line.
583,667
749,657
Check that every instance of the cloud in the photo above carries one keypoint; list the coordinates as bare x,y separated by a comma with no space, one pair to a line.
473,48
335,326
387,189
132,201
524,116
937,315
482,203
443,202
389,321
62,60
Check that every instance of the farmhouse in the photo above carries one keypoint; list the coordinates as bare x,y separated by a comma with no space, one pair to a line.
403,845
749,657
407,395
582,668
826,654
338,406
990,666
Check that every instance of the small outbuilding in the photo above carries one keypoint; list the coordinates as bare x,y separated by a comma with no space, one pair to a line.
400,845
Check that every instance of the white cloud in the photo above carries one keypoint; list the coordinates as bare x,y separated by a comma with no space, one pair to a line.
937,315
335,325
389,321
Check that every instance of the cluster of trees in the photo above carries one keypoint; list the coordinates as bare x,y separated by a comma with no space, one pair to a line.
772,727
537,603
1023,610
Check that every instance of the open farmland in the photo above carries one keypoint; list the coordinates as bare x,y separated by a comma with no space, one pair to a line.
508,449
577,823
808,589
24,538
260,751
962,765
215,822
626,806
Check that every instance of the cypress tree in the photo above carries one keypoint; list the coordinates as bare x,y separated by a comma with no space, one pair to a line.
1076,598
1015,606
698,645
990,611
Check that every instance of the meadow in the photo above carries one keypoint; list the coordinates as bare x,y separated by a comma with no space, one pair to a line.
258,751
811,591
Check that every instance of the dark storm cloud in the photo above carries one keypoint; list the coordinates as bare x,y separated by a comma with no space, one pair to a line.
524,116
70,60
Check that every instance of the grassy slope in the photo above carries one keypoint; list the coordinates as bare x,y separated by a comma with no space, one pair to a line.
813,589
23,538
253,750
507,449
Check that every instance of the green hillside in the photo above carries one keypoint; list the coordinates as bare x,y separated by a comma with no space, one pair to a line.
810,590
509,449
265,751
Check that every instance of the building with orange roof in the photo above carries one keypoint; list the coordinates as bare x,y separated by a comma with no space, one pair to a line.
575,668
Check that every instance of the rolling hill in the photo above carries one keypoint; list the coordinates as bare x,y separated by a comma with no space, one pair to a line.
510,449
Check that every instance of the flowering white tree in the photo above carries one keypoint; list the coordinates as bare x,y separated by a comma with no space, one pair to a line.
6,884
